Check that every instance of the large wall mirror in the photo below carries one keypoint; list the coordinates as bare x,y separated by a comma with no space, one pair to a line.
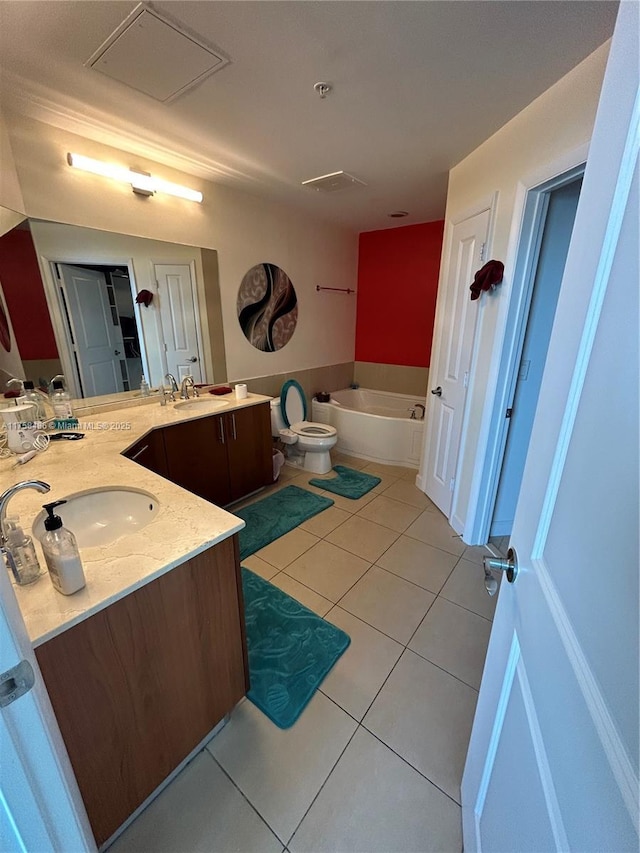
103,308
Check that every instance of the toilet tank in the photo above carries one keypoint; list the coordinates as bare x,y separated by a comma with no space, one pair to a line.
277,422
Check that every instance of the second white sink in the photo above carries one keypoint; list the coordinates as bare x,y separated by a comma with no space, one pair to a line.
100,516
200,403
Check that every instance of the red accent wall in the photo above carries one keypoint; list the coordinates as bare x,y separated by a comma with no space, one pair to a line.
397,286
24,293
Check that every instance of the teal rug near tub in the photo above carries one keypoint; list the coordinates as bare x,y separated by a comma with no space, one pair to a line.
276,515
349,483
291,650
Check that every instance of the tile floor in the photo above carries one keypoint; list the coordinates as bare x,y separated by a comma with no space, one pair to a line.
375,761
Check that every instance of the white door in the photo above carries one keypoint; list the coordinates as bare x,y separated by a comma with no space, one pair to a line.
96,337
553,759
179,318
449,379
40,805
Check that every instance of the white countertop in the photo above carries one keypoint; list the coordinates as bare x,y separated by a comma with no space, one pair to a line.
184,526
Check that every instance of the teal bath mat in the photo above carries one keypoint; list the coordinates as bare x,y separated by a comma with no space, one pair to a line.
276,515
291,650
349,483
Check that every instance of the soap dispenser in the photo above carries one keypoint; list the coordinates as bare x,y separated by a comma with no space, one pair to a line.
61,553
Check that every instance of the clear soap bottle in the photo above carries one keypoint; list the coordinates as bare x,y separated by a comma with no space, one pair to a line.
20,554
144,387
61,401
31,396
61,553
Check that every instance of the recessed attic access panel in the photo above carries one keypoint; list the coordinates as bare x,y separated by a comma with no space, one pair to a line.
154,56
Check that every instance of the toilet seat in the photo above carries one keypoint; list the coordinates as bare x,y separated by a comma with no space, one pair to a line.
293,403
310,429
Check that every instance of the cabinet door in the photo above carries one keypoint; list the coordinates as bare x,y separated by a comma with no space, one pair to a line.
249,449
197,458
137,686
150,452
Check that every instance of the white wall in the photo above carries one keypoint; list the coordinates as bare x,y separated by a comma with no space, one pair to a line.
243,228
11,201
560,121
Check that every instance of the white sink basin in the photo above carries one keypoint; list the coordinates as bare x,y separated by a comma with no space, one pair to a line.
200,404
100,516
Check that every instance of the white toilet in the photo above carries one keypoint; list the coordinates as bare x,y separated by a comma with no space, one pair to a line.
308,444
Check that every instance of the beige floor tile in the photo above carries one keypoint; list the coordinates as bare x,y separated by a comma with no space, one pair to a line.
281,771
418,562
349,505
284,550
409,493
410,474
433,528
302,593
425,715
363,538
327,569
475,553
465,587
349,461
389,513
360,672
454,639
388,603
374,802
260,567
200,810
325,521
379,469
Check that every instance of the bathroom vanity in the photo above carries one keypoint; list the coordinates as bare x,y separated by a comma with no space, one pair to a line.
145,662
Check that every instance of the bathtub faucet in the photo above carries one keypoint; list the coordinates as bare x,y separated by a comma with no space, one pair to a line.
414,415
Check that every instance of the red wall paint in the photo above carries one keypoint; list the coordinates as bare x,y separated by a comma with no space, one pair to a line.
23,291
397,286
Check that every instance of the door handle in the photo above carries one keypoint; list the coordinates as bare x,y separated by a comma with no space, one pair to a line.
510,566
437,392
193,359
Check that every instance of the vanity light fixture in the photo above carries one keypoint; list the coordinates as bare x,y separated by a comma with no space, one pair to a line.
141,182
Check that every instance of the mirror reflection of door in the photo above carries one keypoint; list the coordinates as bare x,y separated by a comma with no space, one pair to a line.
178,313
101,329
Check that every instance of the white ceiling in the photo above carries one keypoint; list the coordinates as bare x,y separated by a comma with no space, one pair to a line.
416,87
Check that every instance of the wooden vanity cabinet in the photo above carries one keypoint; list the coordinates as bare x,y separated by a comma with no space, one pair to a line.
221,457
197,458
137,686
150,452
248,440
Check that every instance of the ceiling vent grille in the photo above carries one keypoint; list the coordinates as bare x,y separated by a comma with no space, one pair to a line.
156,56
334,182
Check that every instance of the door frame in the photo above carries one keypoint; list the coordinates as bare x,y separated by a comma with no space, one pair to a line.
57,312
532,199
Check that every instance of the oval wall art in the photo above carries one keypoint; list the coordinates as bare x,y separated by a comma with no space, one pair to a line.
267,307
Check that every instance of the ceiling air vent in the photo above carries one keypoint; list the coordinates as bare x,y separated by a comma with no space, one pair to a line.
155,56
334,182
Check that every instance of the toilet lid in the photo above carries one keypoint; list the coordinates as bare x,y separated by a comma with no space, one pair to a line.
313,430
293,403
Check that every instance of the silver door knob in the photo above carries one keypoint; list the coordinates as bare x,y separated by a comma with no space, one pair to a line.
510,566
437,391
193,359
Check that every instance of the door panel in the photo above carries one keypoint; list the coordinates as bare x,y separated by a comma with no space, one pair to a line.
96,338
178,316
572,614
456,318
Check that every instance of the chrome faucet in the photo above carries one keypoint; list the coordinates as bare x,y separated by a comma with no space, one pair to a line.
5,497
414,415
172,380
187,383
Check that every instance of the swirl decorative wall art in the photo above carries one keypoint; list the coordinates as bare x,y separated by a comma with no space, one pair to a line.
267,307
